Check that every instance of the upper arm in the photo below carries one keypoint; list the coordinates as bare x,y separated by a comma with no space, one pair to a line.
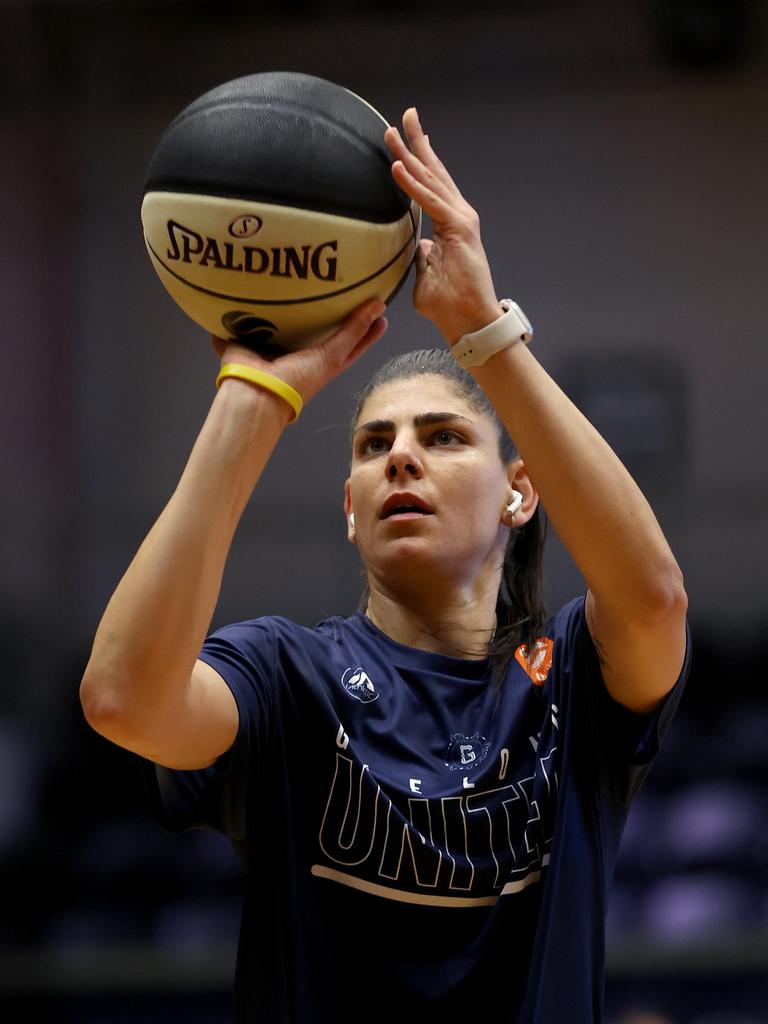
206,725
640,658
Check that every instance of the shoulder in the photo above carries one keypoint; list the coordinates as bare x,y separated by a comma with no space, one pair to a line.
279,635
256,657
263,627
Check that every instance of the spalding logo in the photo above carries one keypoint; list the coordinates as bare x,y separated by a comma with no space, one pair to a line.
245,226
248,327
356,682
187,246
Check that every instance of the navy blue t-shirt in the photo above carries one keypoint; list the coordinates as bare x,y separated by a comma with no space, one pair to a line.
419,841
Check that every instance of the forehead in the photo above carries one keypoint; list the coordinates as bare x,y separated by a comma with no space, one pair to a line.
404,399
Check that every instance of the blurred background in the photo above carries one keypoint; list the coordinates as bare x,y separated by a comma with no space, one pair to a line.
618,155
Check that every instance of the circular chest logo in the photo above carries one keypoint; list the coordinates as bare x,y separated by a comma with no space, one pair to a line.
466,751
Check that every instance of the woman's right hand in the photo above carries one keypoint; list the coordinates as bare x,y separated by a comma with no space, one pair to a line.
308,370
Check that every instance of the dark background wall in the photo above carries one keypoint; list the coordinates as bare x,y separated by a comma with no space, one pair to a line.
617,154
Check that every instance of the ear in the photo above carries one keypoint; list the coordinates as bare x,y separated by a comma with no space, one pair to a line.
518,480
348,512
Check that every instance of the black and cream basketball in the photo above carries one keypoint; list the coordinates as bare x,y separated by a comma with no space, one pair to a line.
270,211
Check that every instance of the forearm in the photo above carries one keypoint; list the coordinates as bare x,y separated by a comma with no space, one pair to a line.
153,627
593,503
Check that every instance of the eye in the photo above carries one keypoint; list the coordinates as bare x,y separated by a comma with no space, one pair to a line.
373,445
446,437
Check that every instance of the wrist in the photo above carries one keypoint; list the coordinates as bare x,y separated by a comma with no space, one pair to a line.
458,326
263,381
243,399
510,327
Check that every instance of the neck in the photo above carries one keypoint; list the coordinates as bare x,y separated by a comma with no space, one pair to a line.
460,625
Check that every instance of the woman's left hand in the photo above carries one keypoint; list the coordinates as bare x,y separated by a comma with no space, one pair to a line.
454,288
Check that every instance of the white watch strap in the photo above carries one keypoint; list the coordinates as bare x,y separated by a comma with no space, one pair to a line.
476,348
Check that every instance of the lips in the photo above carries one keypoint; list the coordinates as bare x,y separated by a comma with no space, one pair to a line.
405,504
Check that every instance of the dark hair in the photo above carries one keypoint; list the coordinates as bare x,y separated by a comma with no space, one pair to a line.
520,611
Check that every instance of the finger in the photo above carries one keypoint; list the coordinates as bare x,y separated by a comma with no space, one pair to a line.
353,330
440,182
420,145
438,208
230,351
434,161
374,332
414,133
395,143
403,150
219,344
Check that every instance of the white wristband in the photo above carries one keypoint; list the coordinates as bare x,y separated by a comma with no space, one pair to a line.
476,348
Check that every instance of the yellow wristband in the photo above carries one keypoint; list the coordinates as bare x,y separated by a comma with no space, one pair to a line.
264,380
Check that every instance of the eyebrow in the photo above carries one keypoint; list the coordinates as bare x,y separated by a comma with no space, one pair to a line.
422,419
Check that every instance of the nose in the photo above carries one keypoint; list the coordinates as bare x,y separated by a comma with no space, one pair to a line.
403,463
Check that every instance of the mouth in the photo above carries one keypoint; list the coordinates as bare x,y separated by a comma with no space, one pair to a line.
404,514
404,507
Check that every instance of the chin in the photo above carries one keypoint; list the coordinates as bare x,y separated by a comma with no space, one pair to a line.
407,557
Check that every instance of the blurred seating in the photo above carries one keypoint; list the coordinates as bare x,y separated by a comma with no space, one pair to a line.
699,908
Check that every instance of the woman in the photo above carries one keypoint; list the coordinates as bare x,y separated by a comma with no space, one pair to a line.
428,796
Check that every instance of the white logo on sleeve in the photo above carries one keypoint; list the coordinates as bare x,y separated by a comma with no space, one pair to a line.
358,683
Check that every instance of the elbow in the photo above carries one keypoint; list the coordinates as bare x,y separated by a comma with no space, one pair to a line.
113,706
653,598
666,598
108,716
95,708
101,709
673,595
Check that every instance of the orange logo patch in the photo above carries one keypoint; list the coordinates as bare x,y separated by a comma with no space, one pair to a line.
537,662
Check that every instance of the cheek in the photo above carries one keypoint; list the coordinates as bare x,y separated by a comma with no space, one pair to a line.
359,493
478,492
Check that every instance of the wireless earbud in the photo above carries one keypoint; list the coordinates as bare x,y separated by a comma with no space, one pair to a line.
514,505
352,520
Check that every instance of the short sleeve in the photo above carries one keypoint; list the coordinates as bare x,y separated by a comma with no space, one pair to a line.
624,742
218,797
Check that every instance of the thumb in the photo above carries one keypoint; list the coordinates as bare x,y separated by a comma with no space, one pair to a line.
310,369
354,332
374,332
422,254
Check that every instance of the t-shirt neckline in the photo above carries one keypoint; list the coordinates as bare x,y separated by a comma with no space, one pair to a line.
467,668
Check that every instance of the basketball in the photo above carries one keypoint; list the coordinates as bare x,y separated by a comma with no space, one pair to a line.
270,213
